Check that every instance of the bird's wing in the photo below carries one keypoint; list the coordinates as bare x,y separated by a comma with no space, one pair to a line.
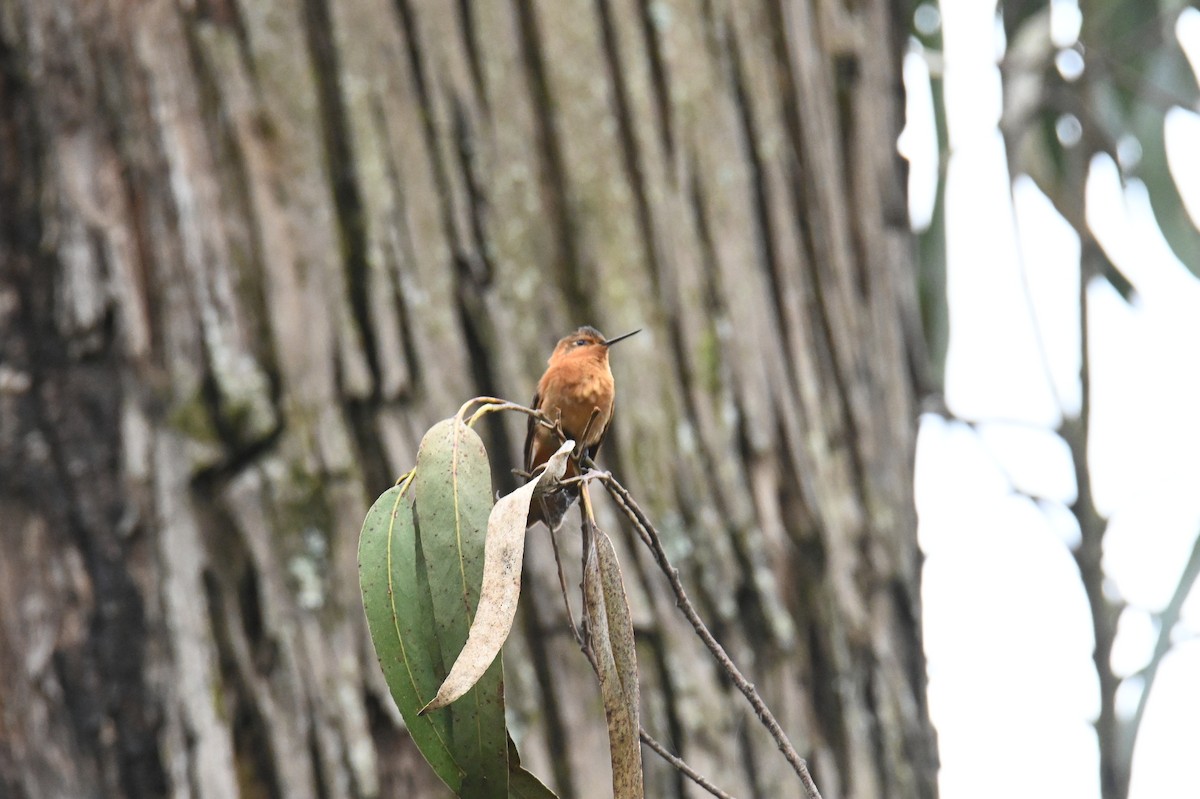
530,428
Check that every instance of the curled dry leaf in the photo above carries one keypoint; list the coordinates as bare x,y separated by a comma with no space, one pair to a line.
503,554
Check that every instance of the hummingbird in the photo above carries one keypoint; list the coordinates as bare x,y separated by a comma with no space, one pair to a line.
577,383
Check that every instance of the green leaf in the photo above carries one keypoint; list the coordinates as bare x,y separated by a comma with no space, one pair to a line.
403,556
503,558
522,784
399,613
453,500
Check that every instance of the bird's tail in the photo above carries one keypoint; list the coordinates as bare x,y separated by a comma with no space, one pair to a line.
550,507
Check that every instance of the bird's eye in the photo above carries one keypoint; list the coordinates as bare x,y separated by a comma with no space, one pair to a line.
579,342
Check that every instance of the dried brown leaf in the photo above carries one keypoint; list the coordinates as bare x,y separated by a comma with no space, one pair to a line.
616,663
503,554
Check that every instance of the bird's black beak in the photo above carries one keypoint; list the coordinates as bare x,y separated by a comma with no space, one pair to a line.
613,341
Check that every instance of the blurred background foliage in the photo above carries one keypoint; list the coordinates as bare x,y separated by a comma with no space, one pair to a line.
1076,85
1081,84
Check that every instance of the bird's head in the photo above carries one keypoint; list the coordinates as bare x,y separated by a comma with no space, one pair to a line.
586,342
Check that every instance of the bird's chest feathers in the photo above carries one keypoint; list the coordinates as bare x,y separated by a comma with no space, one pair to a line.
575,397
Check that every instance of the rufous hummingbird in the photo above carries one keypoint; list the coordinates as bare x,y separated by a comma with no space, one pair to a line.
577,384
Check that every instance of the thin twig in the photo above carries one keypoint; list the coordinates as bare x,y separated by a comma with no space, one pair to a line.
596,474
683,767
579,448
1115,769
492,404
589,521
562,584
1166,625
586,648
648,532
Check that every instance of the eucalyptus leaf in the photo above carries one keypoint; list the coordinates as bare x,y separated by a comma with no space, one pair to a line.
400,619
453,501
522,784
504,553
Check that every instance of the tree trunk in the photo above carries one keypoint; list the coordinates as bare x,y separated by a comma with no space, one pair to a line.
251,250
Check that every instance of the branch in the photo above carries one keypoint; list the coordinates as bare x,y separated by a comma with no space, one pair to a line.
649,534
683,767
650,537
1167,621
648,739
1089,555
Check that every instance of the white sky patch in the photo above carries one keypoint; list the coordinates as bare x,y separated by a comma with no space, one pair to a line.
1036,461
995,606
992,339
1136,634
1049,252
1187,31
1181,130
1066,20
1147,545
918,141
971,79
